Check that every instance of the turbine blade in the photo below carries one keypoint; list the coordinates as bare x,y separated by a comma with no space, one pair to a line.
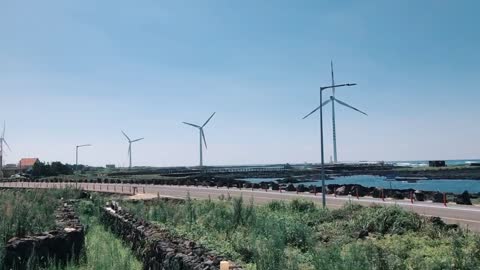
193,125
203,136
323,104
125,136
349,106
6,144
209,119
137,140
333,77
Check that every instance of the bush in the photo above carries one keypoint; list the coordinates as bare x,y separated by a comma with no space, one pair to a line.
299,235
391,220
302,205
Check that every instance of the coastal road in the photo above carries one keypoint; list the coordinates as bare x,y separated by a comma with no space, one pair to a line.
466,216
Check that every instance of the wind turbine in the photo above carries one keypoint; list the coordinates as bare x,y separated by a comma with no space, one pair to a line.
202,136
130,148
3,141
332,100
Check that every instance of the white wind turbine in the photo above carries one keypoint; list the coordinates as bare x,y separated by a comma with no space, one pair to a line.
3,141
130,149
202,136
333,99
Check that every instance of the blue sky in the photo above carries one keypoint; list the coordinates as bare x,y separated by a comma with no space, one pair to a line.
74,72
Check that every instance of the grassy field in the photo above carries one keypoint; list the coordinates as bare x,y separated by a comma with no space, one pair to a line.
103,250
299,235
292,236
24,212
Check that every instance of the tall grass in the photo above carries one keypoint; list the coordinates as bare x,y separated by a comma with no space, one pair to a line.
24,212
299,235
103,251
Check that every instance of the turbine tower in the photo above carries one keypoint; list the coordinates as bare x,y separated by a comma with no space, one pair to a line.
202,136
333,99
3,141
130,148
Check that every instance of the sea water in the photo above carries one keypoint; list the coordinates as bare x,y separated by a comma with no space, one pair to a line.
447,185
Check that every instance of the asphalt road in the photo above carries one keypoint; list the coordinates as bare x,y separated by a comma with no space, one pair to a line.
466,216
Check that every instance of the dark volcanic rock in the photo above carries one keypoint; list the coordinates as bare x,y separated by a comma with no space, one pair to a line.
463,198
301,188
419,195
437,197
291,187
438,222
377,193
341,191
398,195
158,249
275,186
362,234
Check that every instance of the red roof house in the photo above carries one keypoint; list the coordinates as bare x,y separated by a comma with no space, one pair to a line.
26,163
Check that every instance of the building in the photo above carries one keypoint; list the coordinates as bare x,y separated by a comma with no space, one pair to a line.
437,163
26,163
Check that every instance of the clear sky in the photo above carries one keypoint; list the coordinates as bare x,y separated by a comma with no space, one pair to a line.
75,72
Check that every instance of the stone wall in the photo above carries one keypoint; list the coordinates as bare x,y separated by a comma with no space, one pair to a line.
155,247
61,245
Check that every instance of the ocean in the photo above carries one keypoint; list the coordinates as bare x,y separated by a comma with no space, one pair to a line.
447,185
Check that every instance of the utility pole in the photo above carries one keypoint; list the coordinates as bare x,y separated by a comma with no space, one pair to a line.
76,154
320,108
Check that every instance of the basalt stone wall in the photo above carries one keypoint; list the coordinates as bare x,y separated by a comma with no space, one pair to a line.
61,245
155,247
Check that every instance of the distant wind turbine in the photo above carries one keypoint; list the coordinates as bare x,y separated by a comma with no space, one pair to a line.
130,148
333,99
202,136
3,141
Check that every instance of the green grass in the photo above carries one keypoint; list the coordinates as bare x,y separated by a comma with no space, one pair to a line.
24,212
299,235
103,250
28,211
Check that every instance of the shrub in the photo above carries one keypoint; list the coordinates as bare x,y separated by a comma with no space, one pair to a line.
302,205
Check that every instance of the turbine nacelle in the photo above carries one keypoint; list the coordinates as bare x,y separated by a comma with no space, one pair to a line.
202,135
200,128
130,141
334,99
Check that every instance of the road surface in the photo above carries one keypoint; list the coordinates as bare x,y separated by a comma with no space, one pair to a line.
466,216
